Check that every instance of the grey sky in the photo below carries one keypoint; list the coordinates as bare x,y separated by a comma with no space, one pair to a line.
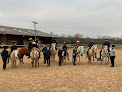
87,17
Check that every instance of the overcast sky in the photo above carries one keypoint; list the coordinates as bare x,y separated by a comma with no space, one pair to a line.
87,17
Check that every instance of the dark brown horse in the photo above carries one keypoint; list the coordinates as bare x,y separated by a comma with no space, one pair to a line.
23,51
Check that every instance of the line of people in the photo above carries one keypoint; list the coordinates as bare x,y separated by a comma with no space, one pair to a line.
47,53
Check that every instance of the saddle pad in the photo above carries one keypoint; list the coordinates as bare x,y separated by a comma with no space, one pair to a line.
99,59
85,51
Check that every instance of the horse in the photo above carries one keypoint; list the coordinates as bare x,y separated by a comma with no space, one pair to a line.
92,53
14,57
23,51
80,50
65,56
34,55
53,51
105,54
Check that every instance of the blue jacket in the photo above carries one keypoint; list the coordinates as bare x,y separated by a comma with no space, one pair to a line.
47,53
13,48
91,44
106,43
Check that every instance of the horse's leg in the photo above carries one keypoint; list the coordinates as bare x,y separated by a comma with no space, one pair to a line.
38,62
32,63
105,60
93,59
79,60
108,59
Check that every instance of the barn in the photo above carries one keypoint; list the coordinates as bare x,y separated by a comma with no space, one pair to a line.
9,34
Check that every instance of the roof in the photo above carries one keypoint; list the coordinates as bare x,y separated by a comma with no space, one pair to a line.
22,31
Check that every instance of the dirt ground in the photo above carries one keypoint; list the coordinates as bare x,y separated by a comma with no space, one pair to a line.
66,78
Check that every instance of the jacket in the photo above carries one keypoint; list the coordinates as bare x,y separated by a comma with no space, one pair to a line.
47,53
74,53
13,48
91,44
113,52
4,55
30,45
60,53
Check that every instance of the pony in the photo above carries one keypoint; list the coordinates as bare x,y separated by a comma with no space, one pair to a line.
80,50
53,51
105,54
65,56
14,57
23,51
34,55
92,53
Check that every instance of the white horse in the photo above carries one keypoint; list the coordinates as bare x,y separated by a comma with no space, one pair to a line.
34,55
80,50
105,54
14,57
92,53
53,51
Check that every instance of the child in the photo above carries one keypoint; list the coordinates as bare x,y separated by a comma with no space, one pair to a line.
60,55
74,55
112,55
5,57
48,54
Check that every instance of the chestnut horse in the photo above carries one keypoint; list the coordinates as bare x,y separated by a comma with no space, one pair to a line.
23,51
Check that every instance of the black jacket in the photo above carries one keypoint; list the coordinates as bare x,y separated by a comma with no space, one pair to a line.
60,53
30,45
64,48
4,55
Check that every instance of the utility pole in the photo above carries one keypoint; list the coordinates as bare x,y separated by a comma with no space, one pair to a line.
35,28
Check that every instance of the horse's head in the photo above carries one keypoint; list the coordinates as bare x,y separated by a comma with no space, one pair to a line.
94,48
105,49
15,53
53,46
80,49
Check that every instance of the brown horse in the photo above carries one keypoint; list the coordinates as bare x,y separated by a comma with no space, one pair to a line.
23,51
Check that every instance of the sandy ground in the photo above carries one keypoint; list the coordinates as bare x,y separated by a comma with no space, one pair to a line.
67,78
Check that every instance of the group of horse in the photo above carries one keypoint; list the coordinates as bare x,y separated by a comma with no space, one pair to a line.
34,54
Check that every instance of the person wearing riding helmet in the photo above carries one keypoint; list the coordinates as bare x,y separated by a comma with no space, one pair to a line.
54,41
13,47
35,44
90,45
106,43
77,43
30,44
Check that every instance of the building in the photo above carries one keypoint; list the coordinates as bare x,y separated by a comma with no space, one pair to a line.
9,34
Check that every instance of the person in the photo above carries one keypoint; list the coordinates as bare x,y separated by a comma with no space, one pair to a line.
106,43
30,46
65,49
54,41
5,57
48,54
13,47
77,43
91,43
74,53
60,55
112,55
43,50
